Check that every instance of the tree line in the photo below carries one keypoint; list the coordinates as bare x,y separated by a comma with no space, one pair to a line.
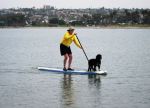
125,17
12,20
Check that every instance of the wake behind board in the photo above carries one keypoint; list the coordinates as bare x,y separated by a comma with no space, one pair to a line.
77,72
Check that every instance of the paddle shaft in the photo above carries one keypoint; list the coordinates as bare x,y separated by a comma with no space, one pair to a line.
82,49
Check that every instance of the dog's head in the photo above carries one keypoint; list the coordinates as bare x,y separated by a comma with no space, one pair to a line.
98,57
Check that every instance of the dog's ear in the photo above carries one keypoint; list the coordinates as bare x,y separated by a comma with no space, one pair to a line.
100,56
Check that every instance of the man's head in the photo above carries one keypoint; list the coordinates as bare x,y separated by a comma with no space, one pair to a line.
70,30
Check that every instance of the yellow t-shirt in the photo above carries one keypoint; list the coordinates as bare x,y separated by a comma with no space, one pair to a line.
68,39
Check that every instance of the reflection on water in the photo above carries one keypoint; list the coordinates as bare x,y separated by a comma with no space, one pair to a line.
94,84
94,80
67,91
69,97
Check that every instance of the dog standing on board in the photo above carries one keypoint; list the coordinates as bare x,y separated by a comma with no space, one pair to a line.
93,63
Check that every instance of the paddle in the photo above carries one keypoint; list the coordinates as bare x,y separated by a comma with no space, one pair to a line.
82,49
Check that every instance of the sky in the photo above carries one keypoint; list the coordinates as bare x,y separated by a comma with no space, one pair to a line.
75,3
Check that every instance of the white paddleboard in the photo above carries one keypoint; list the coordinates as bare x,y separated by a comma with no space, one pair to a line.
79,72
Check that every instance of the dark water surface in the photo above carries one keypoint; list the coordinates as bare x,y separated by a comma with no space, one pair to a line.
126,57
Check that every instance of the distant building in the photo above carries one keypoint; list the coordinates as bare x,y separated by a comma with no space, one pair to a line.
48,7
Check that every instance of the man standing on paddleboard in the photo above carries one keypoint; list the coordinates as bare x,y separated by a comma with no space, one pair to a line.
65,49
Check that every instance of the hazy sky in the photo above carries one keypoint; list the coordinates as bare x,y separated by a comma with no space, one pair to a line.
76,3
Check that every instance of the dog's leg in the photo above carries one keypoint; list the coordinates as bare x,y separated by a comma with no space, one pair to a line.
90,69
88,65
99,66
94,68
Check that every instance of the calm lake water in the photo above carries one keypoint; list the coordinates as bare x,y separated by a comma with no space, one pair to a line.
126,57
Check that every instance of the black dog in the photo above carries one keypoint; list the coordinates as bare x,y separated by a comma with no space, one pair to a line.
95,62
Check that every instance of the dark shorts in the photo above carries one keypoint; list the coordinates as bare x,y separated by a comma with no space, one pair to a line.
64,50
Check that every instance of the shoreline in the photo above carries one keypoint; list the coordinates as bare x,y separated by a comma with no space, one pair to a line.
88,27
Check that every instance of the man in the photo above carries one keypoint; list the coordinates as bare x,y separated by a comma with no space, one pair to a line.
65,50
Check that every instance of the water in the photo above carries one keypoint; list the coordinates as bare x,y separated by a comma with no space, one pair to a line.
126,57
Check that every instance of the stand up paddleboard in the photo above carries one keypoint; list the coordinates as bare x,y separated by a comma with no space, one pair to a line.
77,72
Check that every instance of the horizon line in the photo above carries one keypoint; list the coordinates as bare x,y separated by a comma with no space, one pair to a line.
72,8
